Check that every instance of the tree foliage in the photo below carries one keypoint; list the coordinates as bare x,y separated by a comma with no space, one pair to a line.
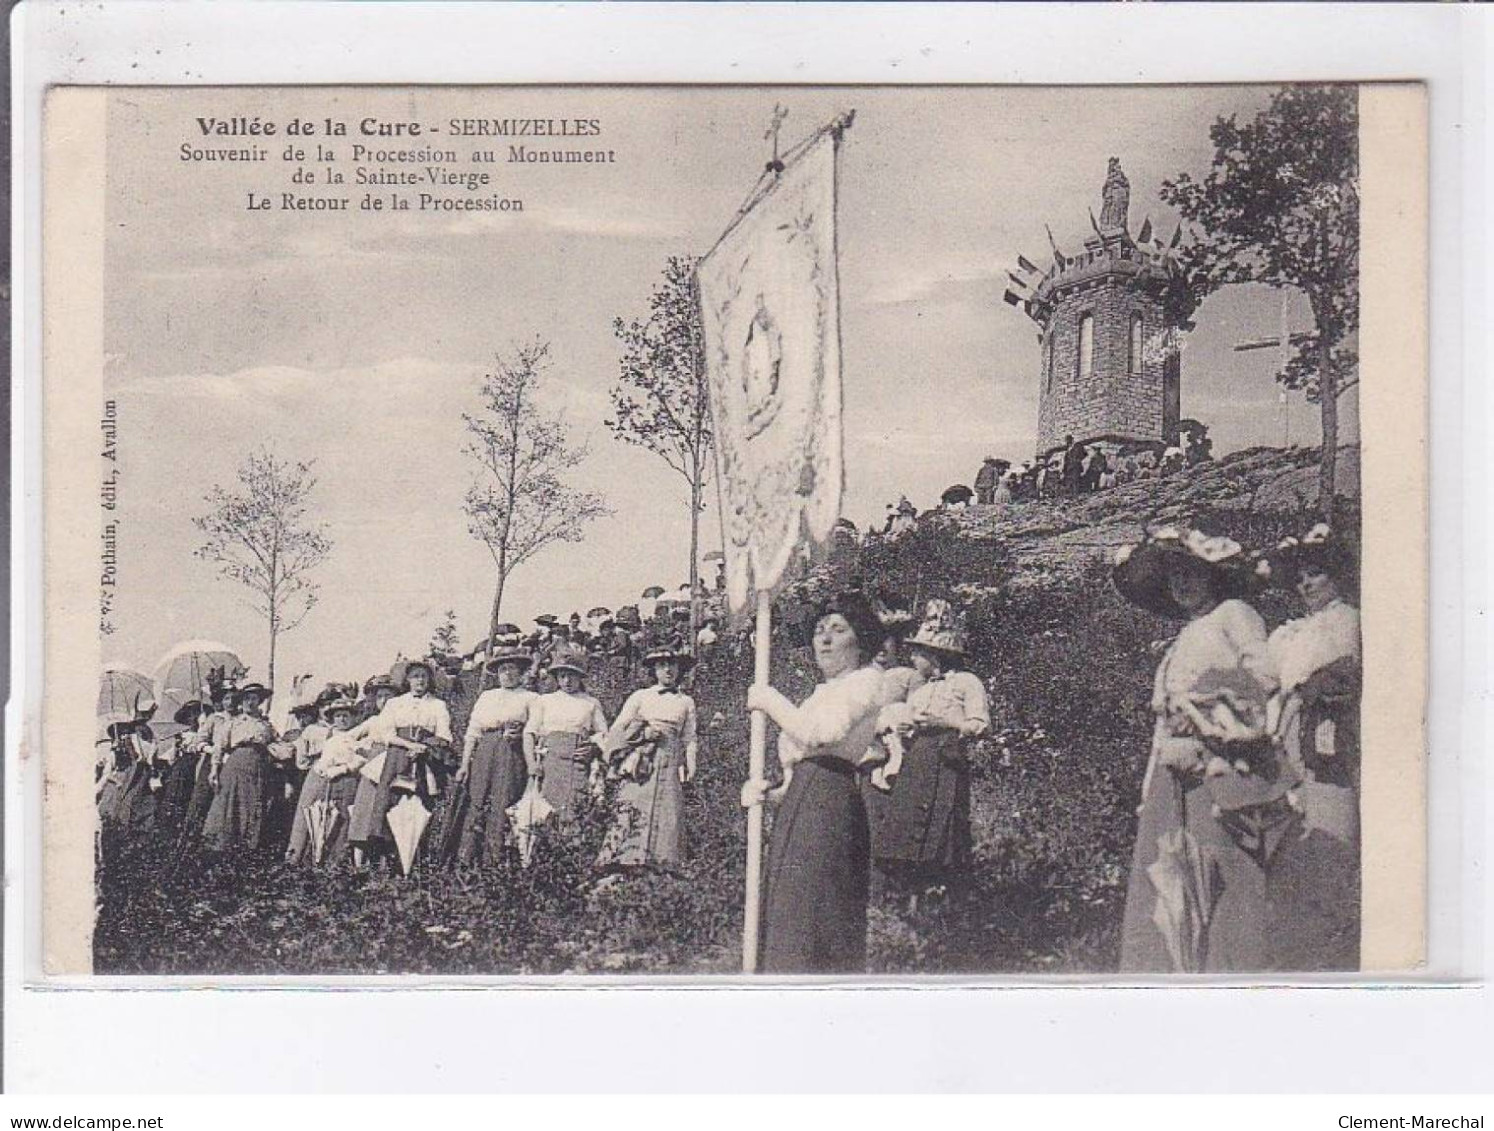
1280,206
661,400
444,639
519,502
261,534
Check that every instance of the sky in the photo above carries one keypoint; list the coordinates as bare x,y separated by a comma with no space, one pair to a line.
357,340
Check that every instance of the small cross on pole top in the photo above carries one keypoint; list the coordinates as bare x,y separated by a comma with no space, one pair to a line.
780,112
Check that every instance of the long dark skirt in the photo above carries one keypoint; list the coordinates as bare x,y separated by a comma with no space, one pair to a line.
566,767
495,780
284,789
925,820
652,812
126,801
818,868
341,792
237,817
201,800
178,784
368,824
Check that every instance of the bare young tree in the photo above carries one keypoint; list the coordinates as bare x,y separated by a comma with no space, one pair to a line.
520,503
260,534
660,401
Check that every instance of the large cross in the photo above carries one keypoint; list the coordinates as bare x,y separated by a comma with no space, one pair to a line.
1284,340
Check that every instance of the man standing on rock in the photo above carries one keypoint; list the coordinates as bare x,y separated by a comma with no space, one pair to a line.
985,481
1073,465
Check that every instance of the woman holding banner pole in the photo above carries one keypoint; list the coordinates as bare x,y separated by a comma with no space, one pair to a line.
818,867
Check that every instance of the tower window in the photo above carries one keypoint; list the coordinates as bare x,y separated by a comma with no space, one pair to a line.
1134,363
1085,359
1048,361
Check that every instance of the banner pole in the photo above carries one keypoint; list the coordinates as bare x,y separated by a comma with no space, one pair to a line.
757,771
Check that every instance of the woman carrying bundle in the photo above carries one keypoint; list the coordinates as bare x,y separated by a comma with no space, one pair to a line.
240,774
653,745
921,828
493,766
564,732
408,738
331,781
1215,800
1314,718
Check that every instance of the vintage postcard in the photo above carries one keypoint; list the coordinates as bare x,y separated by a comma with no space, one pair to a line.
797,532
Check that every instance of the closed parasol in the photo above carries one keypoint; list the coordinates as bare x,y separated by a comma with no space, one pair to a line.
321,822
526,815
183,671
1188,884
121,692
407,822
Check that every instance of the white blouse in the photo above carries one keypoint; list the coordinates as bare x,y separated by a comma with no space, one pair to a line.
560,712
1301,647
428,712
501,707
839,719
673,711
956,700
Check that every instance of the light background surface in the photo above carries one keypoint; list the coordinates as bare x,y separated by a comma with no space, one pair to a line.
1013,1018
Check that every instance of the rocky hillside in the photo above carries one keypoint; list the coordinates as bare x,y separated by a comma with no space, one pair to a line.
1056,540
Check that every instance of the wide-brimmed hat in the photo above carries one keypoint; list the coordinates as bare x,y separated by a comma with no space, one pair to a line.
942,630
332,706
1321,548
186,714
508,656
258,689
675,651
378,683
1142,571
311,709
568,659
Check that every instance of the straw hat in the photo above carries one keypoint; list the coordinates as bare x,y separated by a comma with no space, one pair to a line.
673,651
254,689
1320,549
942,631
335,705
568,659
1142,571
507,656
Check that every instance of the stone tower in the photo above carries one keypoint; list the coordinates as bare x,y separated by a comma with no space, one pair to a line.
1108,322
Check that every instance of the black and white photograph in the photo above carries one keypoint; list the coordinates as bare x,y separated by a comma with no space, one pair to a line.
794,532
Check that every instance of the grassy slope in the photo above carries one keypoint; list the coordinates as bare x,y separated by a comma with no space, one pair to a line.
1068,665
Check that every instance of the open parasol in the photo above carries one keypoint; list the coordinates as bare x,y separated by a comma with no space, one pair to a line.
599,612
549,620
321,821
526,815
183,671
653,592
121,691
407,822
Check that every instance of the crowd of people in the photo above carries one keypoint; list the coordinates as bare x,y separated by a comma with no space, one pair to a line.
1246,853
